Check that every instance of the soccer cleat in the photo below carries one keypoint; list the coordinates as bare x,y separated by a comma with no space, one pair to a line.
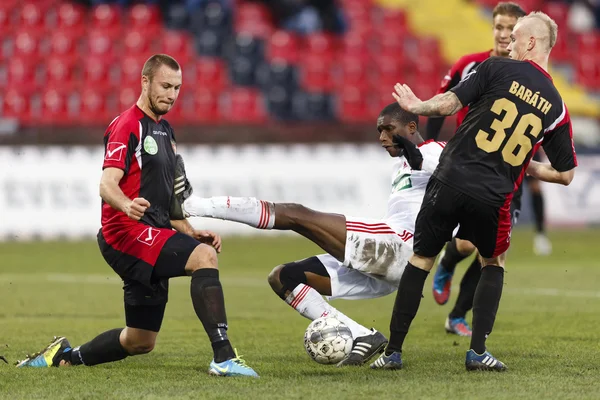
232,367
483,362
393,361
458,326
542,245
442,280
364,348
49,357
182,190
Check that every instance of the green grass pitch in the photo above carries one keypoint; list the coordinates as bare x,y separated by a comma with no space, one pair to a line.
547,330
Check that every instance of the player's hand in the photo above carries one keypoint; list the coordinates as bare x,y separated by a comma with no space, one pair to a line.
136,209
208,237
410,151
405,97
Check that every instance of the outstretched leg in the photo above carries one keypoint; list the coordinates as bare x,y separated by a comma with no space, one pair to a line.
326,230
301,284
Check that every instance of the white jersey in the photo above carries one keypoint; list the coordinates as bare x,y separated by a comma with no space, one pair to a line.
408,188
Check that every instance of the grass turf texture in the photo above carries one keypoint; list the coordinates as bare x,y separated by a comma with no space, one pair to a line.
546,330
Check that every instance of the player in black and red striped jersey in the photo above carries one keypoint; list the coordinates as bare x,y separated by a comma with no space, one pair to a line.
513,109
143,242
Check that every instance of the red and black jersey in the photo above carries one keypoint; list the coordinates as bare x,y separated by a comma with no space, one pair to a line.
145,150
457,72
513,109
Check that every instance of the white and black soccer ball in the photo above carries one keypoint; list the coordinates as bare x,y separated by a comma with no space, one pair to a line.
328,340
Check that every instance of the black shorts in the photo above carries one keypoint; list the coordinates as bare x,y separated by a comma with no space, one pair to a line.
486,226
146,288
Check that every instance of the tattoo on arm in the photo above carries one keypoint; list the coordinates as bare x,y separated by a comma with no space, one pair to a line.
440,105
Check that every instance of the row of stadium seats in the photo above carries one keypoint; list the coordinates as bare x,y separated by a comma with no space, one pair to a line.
67,57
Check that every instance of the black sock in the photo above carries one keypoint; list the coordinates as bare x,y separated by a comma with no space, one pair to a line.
209,304
485,305
106,347
537,202
452,256
468,285
408,298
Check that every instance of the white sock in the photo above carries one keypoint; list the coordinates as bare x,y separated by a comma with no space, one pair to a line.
247,210
310,304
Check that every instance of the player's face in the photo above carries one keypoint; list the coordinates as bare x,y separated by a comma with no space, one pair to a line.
503,26
163,89
388,127
518,44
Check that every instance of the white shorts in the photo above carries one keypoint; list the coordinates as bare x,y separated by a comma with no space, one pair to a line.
375,259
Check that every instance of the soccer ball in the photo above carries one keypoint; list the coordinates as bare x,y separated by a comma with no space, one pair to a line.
328,340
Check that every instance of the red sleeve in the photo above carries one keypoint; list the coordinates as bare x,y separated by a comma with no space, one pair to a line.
120,142
452,77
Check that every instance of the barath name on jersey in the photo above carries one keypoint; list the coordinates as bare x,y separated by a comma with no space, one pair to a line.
528,96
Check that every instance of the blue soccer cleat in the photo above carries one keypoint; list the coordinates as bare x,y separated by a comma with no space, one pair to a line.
393,361
483,362
232,367
442,280
458,326
49,357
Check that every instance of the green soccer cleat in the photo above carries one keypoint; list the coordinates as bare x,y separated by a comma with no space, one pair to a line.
49,357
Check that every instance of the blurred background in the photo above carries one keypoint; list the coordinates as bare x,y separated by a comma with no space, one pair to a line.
279,98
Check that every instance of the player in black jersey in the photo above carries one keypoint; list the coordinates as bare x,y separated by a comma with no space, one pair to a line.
513,109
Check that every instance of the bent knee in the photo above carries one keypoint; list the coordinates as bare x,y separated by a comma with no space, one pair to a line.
273,277
465,246
203,256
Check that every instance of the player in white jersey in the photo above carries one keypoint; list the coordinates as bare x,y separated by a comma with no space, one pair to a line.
365,257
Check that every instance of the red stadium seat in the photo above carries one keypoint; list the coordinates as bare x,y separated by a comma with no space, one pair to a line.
107,18
588,43
558,11
59,72
96,72
100,44
127,97
245,106
201,107
211,74
131,70
144,17
26,45
16,104
315,74
70,18
252,13
321,45
588,71
7,23
562,50
355,45
284,46
54,107
31,16
95,107
352,73
352,105
137,42
258,29
386,72
64,45
177,44
21,72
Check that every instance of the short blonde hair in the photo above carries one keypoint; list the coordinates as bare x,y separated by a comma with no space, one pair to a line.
549,22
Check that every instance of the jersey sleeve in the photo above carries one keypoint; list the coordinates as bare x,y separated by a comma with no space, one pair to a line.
472,86
120,143
559,147
431,152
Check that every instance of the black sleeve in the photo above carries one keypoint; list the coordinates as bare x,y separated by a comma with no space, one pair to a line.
434,126
558,145
474,84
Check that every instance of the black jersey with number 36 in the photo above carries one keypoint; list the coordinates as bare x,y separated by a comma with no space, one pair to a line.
513,109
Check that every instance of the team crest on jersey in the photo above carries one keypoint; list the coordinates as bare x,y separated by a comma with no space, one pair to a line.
114,151
150,145
148,236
